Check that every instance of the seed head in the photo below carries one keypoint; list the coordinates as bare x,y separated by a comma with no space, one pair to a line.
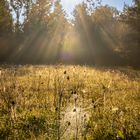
56,109
74,110
69,123
65,72
13,103
93,101
73,92
68,78
103,86
75,99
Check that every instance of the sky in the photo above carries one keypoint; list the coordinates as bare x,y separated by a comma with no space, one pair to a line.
70,4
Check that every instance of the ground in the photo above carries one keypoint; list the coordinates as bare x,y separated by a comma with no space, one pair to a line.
69,102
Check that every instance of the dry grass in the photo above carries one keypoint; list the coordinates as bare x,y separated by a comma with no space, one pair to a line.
69,102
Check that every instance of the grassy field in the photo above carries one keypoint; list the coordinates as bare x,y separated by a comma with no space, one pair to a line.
69,103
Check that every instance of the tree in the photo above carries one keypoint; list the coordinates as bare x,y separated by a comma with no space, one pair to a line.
17,6
97,29
35,29
43,31
82,24
131,17
6,27
58,30
38,16
21,9
6,22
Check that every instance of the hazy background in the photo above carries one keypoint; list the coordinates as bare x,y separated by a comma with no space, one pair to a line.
93,32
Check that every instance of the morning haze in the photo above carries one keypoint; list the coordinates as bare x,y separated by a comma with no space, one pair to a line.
69,70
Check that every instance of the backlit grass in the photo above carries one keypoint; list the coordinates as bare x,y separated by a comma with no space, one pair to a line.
69,102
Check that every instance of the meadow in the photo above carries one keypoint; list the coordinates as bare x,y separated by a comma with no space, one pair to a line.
69,103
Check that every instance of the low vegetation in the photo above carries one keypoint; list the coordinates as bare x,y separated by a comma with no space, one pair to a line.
69,102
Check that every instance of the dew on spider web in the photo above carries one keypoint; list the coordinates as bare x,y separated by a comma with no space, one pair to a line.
76,116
